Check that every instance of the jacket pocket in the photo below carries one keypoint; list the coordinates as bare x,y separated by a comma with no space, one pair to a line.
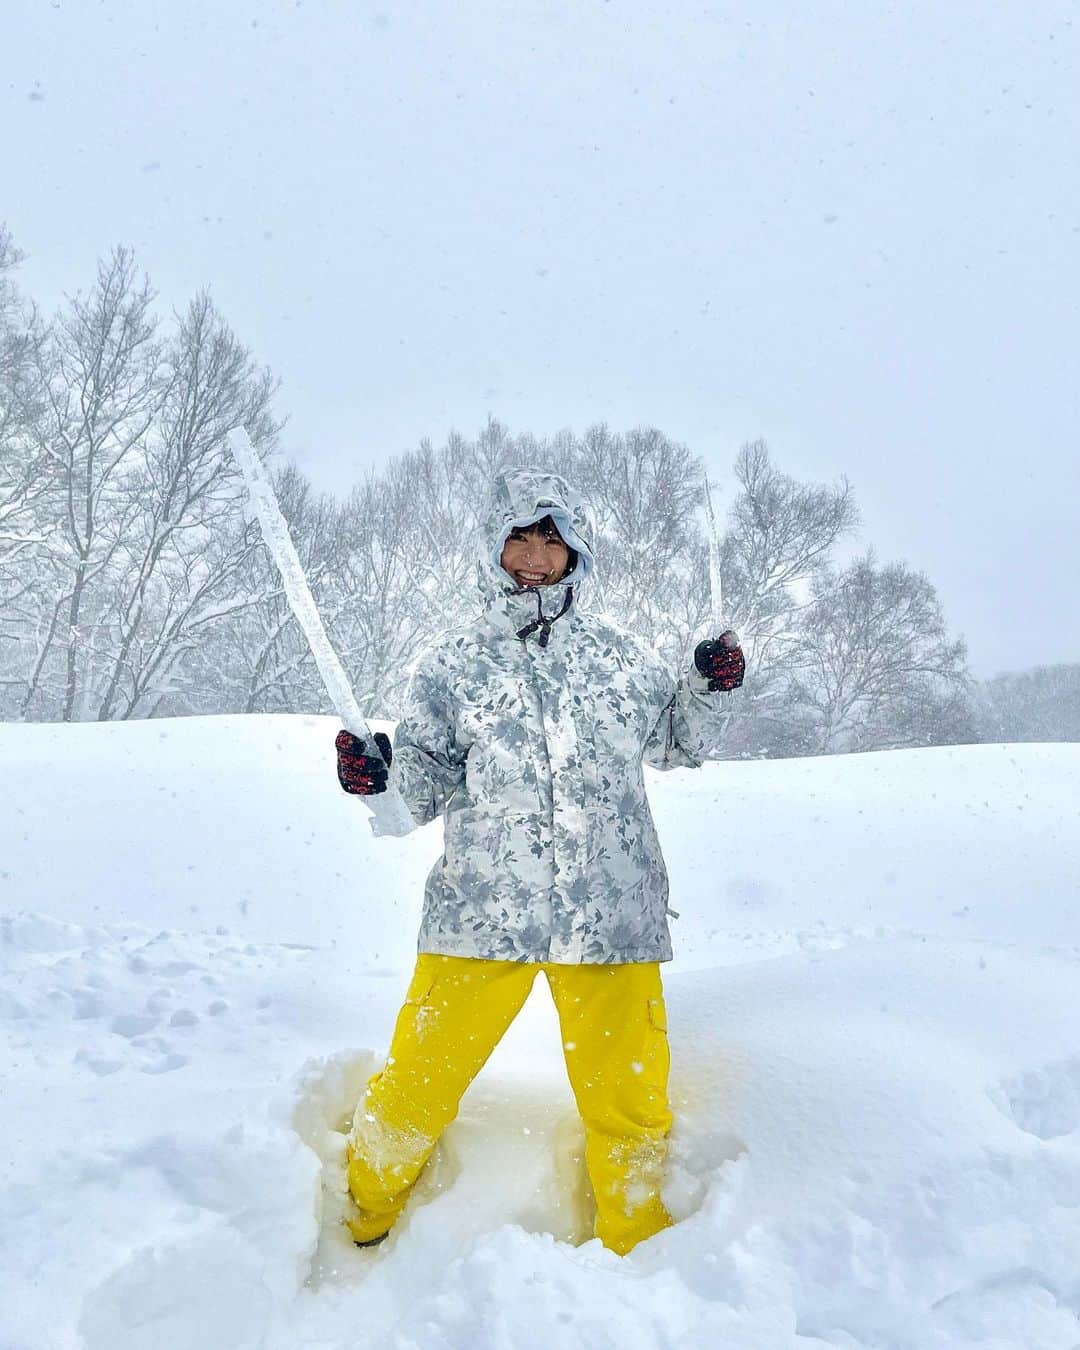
420,989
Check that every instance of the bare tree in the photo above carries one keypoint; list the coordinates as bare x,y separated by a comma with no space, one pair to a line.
182,545
780,532
645,492
98,372
874,659
402,573
132,582
1042,704
24,477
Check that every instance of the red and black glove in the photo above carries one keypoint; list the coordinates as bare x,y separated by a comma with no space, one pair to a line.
358,772
721,661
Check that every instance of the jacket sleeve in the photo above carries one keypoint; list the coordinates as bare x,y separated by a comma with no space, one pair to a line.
690,728
428,767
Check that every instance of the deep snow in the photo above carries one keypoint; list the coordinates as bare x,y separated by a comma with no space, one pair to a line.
875,1026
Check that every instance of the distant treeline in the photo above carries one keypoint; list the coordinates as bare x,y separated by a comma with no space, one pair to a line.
132,584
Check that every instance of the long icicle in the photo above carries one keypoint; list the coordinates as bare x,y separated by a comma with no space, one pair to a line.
716,583
390,814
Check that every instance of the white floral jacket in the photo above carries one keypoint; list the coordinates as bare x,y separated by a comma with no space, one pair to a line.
532,747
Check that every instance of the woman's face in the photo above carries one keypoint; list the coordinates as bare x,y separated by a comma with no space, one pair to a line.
535,555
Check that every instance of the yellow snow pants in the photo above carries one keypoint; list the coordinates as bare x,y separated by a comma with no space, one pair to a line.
614,1034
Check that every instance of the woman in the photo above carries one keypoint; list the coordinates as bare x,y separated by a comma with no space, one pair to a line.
527,730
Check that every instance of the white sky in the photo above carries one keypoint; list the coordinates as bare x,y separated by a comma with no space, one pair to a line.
850,228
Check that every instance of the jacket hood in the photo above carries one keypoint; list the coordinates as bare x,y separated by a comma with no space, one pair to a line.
520,497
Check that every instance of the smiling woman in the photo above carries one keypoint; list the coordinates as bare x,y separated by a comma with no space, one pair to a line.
529,735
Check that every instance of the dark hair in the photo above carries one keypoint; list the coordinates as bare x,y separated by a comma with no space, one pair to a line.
545,526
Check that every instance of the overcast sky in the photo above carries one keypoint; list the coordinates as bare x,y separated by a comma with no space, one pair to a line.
851,229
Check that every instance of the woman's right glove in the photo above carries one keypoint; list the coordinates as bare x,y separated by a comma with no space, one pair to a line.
359,772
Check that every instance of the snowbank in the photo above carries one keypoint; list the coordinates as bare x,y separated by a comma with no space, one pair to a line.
876,1062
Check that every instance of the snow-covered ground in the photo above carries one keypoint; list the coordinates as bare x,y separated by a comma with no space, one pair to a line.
875,1027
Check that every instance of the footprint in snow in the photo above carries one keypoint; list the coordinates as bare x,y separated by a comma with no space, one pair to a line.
167,1063
100,1065
1043,1101
130,1025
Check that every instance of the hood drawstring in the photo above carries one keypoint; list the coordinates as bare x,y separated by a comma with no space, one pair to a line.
544,624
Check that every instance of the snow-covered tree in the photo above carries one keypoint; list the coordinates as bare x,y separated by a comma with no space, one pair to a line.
779,534
24,477
98,371
874,666
186,542
1042,704
133,584
135,504
645,493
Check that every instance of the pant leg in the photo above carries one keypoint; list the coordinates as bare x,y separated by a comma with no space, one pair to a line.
614,1031
455,1012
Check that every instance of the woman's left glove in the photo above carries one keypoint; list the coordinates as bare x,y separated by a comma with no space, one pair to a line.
359,772
721,661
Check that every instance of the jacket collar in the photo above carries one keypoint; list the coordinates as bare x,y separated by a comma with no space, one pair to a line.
511,609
